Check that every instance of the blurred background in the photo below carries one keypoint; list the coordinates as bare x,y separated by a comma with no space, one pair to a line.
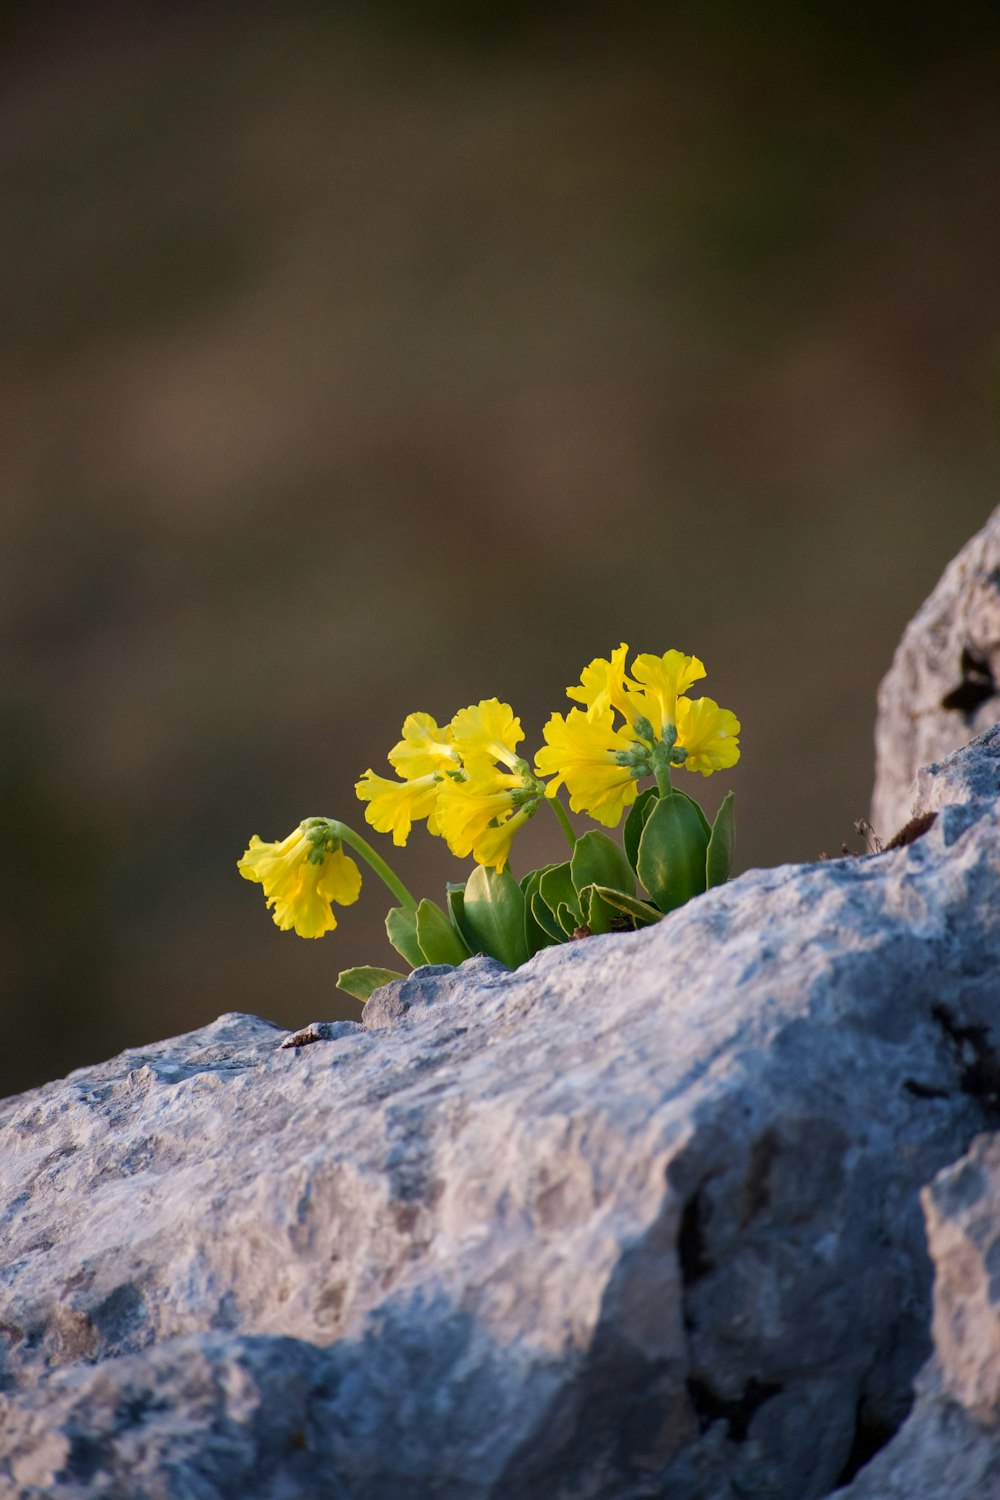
363,359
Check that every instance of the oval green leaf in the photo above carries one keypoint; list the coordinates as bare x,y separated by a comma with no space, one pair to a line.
455,898
641,912
601,916
536,934
362,981
672,852
720,845
493,915
401,930
556,888
597,860
568,920
439,942
636,822
546,918
698,809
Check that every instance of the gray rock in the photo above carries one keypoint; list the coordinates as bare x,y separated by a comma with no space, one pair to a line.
939,692
639,1220
942,1453
962,1207
949,1449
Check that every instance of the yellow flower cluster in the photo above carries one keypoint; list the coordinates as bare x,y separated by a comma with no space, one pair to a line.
466,779
601,760
474,790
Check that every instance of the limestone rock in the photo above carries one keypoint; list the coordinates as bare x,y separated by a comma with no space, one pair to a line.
941,690
639,1220
963,1224
949,1448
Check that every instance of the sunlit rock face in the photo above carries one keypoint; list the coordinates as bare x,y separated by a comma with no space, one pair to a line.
707,1211
943,687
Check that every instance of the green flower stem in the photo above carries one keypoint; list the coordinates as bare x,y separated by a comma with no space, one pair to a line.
361,846
563,818
660,758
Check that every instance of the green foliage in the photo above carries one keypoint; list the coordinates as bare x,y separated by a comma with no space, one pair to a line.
494,915
668,842
439,940
401,930
362,981
672,851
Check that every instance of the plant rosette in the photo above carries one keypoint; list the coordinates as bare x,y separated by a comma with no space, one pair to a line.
466,781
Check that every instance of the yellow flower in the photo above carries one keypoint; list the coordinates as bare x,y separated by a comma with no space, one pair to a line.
480,814
604,678
422,757
488,729
493,845
709,735
659,682
582,750
423,749
393,805
301,876
479,810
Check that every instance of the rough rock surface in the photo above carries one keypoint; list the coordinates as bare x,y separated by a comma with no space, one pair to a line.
941,689
949,1448
641,1219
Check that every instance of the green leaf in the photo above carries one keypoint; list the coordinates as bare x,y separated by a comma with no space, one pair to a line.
641,912
546,918
439,942
494,915
720,844
568,920
672,852
455,897
600,915
362,981
401,930
698,809
556,886
597,860
636,822
536,934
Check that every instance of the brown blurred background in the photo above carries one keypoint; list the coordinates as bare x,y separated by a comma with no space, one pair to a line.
360,359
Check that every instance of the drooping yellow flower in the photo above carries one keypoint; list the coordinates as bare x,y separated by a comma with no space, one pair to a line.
301,878
480,814
583,750
422,757
659,681
708,734
487,730
393,805
423,749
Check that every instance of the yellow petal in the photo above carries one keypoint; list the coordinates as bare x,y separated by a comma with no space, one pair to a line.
488,730
493,846
581,750
423,748
339,879
299,891
709,734
465,809
604,678
661,680
393,805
